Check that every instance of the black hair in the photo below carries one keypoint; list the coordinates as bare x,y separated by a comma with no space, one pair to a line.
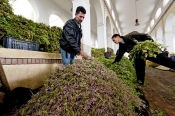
80,9
115,35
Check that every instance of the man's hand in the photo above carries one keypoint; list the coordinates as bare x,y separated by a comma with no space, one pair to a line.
114,62
83,54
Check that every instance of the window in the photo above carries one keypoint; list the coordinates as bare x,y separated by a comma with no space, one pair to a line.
113,15
152,22
165,2
116,24
158,13
148,29
108,2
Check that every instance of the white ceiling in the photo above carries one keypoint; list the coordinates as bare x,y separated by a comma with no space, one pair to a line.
65,5
125,11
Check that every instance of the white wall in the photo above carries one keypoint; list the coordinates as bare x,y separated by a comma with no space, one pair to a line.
46,8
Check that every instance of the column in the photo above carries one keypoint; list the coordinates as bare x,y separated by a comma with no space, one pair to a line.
86,39
109,41
101,33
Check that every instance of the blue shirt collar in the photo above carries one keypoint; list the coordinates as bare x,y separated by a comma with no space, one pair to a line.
122,42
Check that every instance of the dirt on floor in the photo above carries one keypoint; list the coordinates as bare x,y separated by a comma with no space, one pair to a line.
159,90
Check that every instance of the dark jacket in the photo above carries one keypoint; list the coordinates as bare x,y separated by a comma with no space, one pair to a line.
130,43
138,36
68,40
126,47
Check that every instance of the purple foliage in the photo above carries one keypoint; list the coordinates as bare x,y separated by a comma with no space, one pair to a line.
85,88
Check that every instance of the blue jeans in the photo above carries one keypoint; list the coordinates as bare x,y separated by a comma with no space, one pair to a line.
66,60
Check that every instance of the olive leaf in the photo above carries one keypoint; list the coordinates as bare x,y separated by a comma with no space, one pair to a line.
147,49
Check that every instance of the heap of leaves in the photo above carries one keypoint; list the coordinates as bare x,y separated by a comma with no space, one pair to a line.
5,6
145,49
97,52
21,28
86,88
124,69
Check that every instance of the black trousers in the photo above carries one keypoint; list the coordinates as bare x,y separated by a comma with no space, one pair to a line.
161,59
140,70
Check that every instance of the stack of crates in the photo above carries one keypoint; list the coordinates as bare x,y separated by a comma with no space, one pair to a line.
10,42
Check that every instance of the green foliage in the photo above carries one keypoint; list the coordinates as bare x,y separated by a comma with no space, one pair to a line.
158,112
5,7
124,69
145,49
97,52
24,29
86,88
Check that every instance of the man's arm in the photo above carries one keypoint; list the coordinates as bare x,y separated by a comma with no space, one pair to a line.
120,54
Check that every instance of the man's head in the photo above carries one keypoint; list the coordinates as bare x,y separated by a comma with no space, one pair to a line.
80,14
116,38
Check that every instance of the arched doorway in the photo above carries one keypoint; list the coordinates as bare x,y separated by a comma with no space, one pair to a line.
55,20
23,8
169,34
96,23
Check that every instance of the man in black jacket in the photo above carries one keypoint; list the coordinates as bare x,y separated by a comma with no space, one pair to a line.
126,45
70,41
